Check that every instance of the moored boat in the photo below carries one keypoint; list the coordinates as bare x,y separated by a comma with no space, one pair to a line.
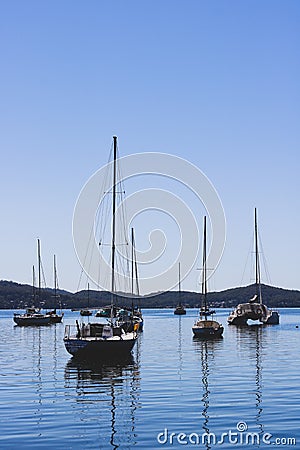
98,340
85,312
180,309
103,312
205,328
33,315
55,317
254,309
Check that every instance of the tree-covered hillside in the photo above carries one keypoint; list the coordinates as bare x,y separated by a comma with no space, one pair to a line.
14,296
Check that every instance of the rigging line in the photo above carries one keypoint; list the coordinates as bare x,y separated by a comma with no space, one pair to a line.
107,204
248,254
98,275
93,228
264,260
56,276
109,245
122,273
85,257
103,211
136,268
43,275
79,281
104,205
122,193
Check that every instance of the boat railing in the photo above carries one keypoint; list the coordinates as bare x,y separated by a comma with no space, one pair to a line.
67,331
88,330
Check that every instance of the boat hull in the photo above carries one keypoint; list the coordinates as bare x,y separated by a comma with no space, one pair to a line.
180,312
31,320
56,319
207,329
85,313
253,311
207,333
99,348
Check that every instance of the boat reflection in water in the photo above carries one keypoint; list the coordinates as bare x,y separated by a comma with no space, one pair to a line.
250,344
250,349
109,397
206,349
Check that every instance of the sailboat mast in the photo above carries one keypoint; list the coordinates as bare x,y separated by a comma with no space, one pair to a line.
204,282
132,261
39,271
55,277
33,285
136,274
113,243
179,283
257,265
256,249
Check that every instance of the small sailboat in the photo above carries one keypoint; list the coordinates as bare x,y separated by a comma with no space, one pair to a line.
55,317
132,320
137,316
85,311
103,340
33,315
179,310
103,312
254,309
206,328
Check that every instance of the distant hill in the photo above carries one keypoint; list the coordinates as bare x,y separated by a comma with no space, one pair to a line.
15,295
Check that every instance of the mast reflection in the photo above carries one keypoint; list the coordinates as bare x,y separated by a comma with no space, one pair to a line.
258,376
206,349
251,338
108,394
180,346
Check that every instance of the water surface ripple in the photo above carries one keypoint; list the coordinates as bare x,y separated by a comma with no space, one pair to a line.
172,384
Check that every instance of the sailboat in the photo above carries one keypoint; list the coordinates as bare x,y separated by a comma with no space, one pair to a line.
33,315
86,311
54,316
179,310
254,309
138,321
206,328
132,320
99,340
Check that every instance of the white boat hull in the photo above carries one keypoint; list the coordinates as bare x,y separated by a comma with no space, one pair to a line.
253,311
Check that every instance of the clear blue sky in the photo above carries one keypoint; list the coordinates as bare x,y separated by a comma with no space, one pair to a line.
215,82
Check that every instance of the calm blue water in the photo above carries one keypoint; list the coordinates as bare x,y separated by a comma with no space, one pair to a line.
173,384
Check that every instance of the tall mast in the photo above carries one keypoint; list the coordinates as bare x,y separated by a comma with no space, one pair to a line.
55,277
33,285
257,265
204,283
179,283
55,282
132,262
39,271
113,243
